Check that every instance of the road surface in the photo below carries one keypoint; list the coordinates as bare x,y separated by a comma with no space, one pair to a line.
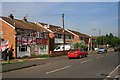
94,66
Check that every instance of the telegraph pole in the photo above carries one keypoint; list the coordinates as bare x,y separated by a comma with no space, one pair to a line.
63,32
99,33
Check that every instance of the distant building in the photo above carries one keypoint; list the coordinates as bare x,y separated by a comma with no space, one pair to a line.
58,32
83,38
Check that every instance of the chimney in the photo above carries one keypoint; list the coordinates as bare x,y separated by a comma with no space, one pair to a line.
24,19
11,16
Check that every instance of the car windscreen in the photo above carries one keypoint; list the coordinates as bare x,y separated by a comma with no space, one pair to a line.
57,48
101,48
73,49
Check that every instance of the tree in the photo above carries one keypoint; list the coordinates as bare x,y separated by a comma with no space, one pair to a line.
108,39
80,45
111,35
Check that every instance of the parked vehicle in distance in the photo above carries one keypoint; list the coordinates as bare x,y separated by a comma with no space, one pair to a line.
76,53
95,49
117,48
102,50
61,48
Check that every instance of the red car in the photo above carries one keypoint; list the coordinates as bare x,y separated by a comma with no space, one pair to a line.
76,53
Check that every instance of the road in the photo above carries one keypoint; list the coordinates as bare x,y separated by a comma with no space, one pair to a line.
93,66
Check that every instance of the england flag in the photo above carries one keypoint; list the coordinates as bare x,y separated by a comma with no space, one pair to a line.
4,45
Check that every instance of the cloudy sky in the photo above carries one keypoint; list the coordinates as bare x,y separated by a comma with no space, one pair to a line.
79,16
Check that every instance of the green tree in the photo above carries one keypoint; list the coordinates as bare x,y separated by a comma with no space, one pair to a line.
80,45
108,39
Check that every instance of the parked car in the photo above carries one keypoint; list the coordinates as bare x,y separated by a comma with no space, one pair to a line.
95,49
61,48
116,48
76,53
102,50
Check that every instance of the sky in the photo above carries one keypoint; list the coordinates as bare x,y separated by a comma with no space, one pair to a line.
79,16
59,0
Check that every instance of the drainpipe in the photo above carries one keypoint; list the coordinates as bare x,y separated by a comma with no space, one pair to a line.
15,43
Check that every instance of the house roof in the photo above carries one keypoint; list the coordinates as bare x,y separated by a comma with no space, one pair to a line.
79,34
20,24
94,37
55,29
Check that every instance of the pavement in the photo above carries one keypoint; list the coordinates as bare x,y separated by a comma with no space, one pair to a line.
25,63
21,63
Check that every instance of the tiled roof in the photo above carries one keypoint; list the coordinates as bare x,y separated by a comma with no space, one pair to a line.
79,34
23,24
94,37
55,29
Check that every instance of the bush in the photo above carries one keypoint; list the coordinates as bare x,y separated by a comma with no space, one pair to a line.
80,45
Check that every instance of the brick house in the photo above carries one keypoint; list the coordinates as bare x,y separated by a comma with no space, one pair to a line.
58,34
70,35
26,38
82,37
61,36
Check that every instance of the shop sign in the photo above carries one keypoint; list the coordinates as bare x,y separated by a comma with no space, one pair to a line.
76,39
58,40
69,40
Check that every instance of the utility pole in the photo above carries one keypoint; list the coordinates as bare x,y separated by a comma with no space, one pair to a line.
99,33
63,33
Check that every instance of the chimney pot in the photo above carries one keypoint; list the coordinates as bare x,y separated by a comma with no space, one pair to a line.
11,16
25,19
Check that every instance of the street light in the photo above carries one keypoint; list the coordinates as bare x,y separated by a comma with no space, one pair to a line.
92,39
63,34
99,33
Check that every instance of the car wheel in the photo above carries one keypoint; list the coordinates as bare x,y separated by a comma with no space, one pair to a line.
85,55
69,58
80,56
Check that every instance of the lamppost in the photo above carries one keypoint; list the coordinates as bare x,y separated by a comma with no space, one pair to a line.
63,33
92,40
99,33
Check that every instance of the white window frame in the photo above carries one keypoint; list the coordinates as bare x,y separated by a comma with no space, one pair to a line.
23,46
1,33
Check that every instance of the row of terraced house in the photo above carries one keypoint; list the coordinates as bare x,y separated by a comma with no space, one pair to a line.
27,38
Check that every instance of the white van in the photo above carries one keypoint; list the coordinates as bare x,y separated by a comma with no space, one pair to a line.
61,48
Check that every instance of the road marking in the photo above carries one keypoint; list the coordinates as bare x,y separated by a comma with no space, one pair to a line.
86,61
57,70
113,71
57,62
